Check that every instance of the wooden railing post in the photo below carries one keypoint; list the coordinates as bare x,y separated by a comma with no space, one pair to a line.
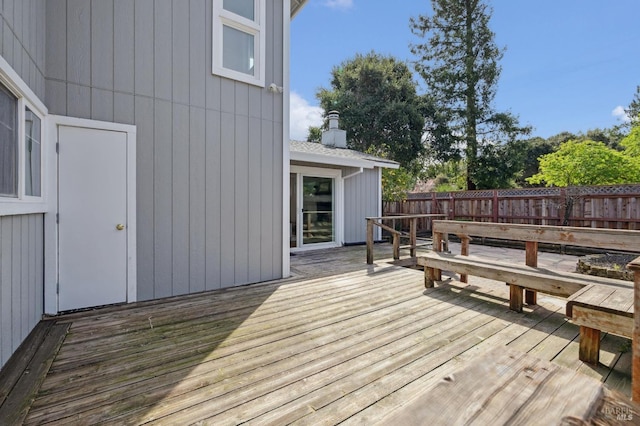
635,367
413,225
531,296
437,246
464,251
396,246
369,241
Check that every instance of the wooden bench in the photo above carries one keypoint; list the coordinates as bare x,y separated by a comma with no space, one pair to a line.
596,304
554,282
597,308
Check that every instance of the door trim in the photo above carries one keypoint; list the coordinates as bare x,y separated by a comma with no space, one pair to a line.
50,225
336,174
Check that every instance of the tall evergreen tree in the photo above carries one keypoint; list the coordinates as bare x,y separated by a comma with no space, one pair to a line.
633,110
458,61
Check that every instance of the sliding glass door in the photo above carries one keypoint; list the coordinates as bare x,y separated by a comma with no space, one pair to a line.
317,210
313,199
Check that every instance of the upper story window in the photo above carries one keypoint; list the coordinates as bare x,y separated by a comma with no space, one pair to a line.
239,40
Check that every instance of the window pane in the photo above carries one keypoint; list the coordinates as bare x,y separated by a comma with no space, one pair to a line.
32,153
8,144
245,8
238,50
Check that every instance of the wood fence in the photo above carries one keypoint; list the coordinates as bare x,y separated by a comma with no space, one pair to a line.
610,206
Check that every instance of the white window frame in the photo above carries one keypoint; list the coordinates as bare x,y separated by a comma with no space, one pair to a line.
24,204
256,28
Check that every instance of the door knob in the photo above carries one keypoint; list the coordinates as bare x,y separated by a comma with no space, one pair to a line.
119,227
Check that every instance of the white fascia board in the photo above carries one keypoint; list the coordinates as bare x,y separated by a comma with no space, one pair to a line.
385,165
330,160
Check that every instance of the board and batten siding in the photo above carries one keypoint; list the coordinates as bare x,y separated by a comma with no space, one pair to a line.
22,40
22,45
360,201
209,149
21,279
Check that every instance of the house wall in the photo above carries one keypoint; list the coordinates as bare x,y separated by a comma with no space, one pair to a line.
361,200
22,35
209,150
22,44
21,279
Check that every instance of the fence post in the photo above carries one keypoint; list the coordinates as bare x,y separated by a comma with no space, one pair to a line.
495,205
452,207
563,206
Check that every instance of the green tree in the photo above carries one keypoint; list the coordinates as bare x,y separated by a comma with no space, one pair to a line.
586,163
459,64
379,108
315,134
631,143
633,110
527,152
396,183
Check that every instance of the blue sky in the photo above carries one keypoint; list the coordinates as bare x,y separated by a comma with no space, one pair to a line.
569,65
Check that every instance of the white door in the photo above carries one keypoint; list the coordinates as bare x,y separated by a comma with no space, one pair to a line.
92,208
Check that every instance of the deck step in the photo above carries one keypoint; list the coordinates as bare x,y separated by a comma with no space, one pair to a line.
24,372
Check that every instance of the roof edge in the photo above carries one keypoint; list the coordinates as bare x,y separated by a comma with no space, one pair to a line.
296,6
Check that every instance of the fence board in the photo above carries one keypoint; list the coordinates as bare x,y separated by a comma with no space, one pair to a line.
606,206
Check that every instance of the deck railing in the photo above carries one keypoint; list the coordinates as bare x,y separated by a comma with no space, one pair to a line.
372,222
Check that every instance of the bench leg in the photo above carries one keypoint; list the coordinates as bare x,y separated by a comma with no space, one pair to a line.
589,345
515,297
429,277
531,297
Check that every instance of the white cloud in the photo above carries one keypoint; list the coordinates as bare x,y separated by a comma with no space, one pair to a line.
302,115
339,4
620,114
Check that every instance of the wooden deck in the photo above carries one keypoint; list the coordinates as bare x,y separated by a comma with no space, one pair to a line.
350,345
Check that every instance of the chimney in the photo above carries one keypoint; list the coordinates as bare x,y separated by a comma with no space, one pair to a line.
334,137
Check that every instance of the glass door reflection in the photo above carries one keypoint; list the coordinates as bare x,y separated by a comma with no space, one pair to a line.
317,210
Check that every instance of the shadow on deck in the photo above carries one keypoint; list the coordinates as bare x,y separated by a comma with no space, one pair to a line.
340,342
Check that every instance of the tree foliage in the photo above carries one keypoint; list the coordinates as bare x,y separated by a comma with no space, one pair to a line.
379,108
633,110
458,61
314,134
396,183
586,163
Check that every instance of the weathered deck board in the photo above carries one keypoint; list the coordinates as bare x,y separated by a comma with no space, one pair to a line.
348,347
511,387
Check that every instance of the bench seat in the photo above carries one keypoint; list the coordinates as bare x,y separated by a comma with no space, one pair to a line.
598,308
519,277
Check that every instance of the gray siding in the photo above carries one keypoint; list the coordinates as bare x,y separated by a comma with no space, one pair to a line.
360,201
209,150
22,44
21,279
22,40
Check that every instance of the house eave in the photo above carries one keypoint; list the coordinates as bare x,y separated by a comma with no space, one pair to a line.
338,161
296,6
